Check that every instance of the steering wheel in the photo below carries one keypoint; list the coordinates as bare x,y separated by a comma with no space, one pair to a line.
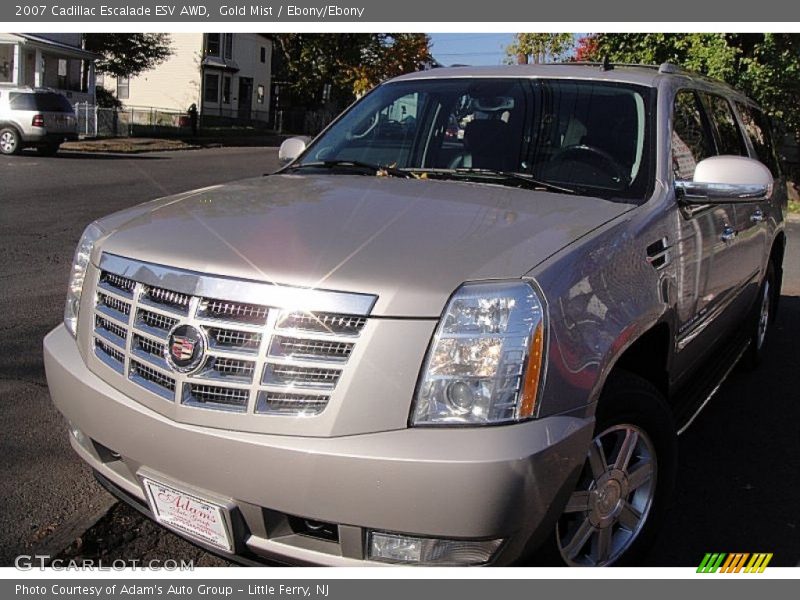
575,152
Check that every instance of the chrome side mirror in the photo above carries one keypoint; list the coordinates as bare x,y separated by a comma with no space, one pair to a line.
725,179
292,147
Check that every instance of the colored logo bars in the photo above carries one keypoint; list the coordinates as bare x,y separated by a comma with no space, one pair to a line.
734,563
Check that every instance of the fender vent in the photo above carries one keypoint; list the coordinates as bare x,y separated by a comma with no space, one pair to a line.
658,254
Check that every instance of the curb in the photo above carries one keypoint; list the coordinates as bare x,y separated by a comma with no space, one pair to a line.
74,527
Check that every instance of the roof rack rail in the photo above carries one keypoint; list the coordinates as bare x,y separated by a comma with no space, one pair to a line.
670,68
667,67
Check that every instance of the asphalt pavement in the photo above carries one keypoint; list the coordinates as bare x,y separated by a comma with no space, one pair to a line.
44,205
739,478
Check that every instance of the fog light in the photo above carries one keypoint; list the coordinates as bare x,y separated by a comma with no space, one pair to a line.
77,434
395,548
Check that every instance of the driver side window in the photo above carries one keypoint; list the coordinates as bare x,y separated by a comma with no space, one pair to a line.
691,141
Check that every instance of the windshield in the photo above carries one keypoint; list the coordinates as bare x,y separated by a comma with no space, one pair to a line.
591,137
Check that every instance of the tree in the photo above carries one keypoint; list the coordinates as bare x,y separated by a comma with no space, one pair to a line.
389,55
540,47
128,54
350,63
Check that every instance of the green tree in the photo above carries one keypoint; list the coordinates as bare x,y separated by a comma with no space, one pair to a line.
350,63
128,54
540,47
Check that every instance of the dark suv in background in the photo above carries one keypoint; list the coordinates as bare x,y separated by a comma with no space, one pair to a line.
35,117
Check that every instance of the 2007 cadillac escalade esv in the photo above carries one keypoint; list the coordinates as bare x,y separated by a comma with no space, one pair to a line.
463,325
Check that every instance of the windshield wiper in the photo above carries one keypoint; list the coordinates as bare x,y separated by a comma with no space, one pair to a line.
523,178
505,176
377,170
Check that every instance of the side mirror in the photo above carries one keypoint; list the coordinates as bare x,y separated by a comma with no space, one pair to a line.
725,179
292,148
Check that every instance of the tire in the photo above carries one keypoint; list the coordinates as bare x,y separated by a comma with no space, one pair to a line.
10,141
763,316
48,149
618,503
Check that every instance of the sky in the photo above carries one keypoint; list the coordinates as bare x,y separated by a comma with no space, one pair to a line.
470,48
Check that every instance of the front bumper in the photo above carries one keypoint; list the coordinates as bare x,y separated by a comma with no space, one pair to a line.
505,482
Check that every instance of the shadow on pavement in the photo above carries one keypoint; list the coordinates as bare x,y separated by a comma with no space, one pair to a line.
738,486
102,156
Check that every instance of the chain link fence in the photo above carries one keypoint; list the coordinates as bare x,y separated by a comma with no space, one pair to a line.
133,121
95,121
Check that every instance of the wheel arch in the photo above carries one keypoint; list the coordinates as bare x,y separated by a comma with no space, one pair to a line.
646,355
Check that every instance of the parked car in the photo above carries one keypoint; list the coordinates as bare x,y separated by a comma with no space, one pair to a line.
420,348
35,117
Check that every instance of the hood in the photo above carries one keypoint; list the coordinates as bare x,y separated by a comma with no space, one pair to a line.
411,242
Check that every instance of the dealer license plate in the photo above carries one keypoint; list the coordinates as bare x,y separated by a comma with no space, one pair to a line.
189,514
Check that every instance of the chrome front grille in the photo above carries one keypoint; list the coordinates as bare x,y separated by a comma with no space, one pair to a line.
228,339
334,324
293,347
278,403
217,397
292,375
233,311
147,319
151,379
167,299
260,359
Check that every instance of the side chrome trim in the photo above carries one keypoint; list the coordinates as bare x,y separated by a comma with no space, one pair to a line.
227,288
715,389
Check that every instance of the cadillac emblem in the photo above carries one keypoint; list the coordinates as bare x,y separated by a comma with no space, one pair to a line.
185,349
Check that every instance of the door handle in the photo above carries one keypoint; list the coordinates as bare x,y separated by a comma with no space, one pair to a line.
757,216
728,234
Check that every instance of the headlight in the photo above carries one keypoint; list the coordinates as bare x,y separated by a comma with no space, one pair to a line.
80,262
485,362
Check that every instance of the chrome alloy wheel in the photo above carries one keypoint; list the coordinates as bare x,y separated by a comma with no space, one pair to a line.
8,142
612,501
763,316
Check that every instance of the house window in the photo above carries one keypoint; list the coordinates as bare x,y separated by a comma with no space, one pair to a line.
260,94
123,88
62,73
6,62
211,88
228,45
212,44
263,54
226,90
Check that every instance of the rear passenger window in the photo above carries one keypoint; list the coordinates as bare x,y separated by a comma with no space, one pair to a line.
691,141
757,128
729,136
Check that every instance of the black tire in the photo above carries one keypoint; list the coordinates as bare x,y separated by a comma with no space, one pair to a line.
761,319
48,149
10,141
607,504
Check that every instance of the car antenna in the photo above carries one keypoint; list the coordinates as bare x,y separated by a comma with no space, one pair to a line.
607,65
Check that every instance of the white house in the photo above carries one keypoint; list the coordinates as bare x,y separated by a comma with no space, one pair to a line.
223,74
54,60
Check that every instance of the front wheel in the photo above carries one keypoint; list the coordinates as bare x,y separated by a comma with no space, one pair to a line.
627,479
